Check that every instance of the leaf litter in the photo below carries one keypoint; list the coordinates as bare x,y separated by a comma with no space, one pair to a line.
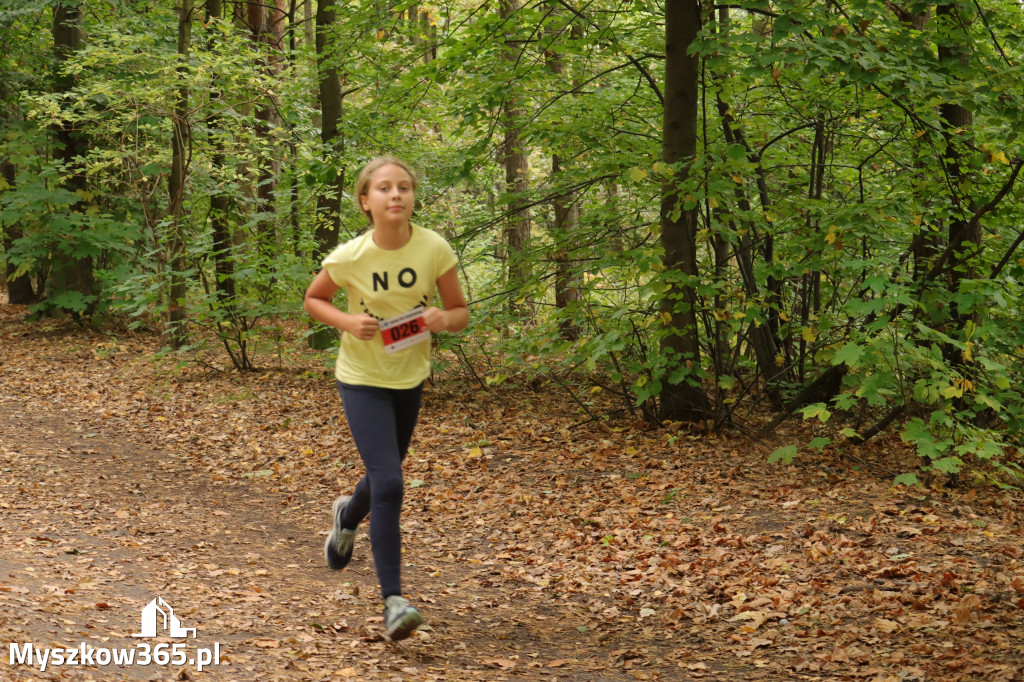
535,550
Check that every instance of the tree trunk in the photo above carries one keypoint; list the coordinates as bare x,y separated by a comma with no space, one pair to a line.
294,199
309,22
566,209
518,229
19,289
964,233
682,397
328,204
266,26
69,271
220,203
762,340
928,240
810,282
414,24
957,122
568,283
174,329
429,29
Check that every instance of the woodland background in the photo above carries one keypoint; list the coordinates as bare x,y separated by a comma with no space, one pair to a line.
729,214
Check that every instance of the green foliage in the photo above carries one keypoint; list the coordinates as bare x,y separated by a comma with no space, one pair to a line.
829,184
56,224
854,294
785,454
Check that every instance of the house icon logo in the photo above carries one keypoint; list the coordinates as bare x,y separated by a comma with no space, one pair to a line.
158,610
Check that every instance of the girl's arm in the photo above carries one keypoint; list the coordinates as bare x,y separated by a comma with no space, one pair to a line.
318,303
455,315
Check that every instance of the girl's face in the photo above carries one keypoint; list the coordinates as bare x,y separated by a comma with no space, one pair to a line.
389,197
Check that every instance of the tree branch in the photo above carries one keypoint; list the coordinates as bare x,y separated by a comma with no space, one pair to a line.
995,41
649,77
632,59
861,438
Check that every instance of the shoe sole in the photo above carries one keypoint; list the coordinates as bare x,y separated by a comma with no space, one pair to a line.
405,625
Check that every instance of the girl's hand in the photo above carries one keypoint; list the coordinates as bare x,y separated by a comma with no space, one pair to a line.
436,320
362,326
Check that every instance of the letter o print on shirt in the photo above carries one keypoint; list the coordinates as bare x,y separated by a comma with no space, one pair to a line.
406,278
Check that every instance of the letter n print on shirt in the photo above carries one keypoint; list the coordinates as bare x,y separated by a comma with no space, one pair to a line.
406,279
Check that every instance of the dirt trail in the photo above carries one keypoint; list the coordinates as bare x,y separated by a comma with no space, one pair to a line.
95,526
109,525
538,546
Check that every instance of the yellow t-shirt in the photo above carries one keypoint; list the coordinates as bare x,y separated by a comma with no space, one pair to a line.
385,284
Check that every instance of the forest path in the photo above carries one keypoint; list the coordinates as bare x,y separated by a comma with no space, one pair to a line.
109,499
96,526
537,546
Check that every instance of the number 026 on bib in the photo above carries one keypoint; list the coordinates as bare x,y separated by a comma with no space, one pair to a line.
405,330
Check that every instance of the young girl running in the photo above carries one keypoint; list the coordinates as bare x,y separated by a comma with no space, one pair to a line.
390,274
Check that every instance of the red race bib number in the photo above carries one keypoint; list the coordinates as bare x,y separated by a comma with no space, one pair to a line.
403,331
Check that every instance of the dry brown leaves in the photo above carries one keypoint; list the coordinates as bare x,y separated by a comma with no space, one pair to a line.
535,550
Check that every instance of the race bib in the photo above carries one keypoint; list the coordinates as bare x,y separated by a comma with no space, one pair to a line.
403,331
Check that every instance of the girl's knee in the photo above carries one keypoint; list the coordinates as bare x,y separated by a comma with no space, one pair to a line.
389,488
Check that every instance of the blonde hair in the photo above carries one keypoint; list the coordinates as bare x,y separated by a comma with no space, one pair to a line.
366,175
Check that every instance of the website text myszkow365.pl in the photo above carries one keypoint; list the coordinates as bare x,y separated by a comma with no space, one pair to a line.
86,655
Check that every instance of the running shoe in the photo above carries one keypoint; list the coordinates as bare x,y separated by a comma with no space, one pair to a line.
338,547
400,619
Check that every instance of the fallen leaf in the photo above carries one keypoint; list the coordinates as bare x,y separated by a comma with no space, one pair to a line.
886,626
757,617
966,611
503,663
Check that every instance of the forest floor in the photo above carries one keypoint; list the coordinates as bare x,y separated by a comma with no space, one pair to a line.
538,545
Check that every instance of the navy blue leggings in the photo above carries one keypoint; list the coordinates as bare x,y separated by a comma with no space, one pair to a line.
382,421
